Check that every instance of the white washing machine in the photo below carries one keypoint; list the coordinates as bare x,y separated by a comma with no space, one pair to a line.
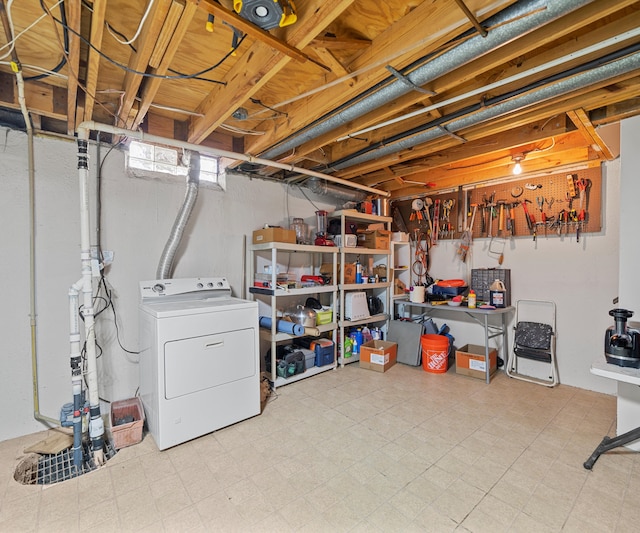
199,358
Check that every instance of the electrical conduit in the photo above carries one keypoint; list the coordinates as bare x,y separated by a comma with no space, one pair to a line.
17,69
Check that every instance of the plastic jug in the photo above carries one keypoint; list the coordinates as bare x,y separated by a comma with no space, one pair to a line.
497,294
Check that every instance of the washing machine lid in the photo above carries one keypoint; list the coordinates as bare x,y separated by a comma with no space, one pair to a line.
171,308
188,296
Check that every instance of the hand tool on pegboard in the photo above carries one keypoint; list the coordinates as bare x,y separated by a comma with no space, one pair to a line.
399,220
436,222
559,221
531,220
501,208
467,235
483,221
428,202
492,213
511,217
583,186
540,200
496,248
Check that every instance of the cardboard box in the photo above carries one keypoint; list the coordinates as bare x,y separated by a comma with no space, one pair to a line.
378,239
470,361
399,236
379,356
263,235
349,272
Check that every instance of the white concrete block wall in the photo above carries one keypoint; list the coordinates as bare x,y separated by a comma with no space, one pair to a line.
582,278
137,216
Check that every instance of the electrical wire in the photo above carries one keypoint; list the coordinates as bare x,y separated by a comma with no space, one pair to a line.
12,43
233,129
39,69
112,30
17,36
144,17
146,74
65,52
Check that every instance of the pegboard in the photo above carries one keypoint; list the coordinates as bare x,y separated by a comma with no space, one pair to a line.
554,189
557,196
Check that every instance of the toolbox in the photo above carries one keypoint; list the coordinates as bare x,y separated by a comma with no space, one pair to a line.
448,291
322,348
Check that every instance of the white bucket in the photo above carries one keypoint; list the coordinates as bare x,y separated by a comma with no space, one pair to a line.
416,294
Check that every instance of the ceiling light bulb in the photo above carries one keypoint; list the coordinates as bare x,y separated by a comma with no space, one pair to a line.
517,168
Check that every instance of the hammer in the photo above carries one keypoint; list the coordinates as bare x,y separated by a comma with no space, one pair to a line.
530,219
501,203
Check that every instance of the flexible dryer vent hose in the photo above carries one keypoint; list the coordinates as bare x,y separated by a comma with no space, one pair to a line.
165,266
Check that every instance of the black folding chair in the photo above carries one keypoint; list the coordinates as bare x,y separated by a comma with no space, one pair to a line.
534,340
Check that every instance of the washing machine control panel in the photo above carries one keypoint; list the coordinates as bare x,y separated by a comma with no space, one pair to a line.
175,287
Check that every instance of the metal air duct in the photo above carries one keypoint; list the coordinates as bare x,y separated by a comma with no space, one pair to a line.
509,24
318,186
165,266
554,90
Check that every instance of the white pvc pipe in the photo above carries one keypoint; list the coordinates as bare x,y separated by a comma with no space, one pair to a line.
215,152
96,425
75,359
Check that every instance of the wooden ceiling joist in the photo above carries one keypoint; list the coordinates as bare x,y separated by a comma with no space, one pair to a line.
583,123
150,86
93,62
256,66
401,43
236,21
73,63
139,61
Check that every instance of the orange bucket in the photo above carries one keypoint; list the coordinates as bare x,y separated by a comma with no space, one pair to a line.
435,353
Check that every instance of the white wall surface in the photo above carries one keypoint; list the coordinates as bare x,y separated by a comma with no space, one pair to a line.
629,220
137,216
580,277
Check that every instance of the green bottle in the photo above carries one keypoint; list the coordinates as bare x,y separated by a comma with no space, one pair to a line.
348,348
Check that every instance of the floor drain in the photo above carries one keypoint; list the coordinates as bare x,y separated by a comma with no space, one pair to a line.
46,469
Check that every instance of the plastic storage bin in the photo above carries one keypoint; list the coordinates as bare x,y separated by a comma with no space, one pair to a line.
128,432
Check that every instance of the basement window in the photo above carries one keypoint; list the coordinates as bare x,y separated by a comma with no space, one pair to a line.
152,161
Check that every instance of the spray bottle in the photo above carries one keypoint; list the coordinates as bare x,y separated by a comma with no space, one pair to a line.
358,270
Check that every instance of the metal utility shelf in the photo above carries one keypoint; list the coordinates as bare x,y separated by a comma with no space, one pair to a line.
269,252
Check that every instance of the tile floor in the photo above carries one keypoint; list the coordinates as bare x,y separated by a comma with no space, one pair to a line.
354,450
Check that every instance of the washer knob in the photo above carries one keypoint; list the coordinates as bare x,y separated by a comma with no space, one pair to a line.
219,284
200,285
210,285
158,287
